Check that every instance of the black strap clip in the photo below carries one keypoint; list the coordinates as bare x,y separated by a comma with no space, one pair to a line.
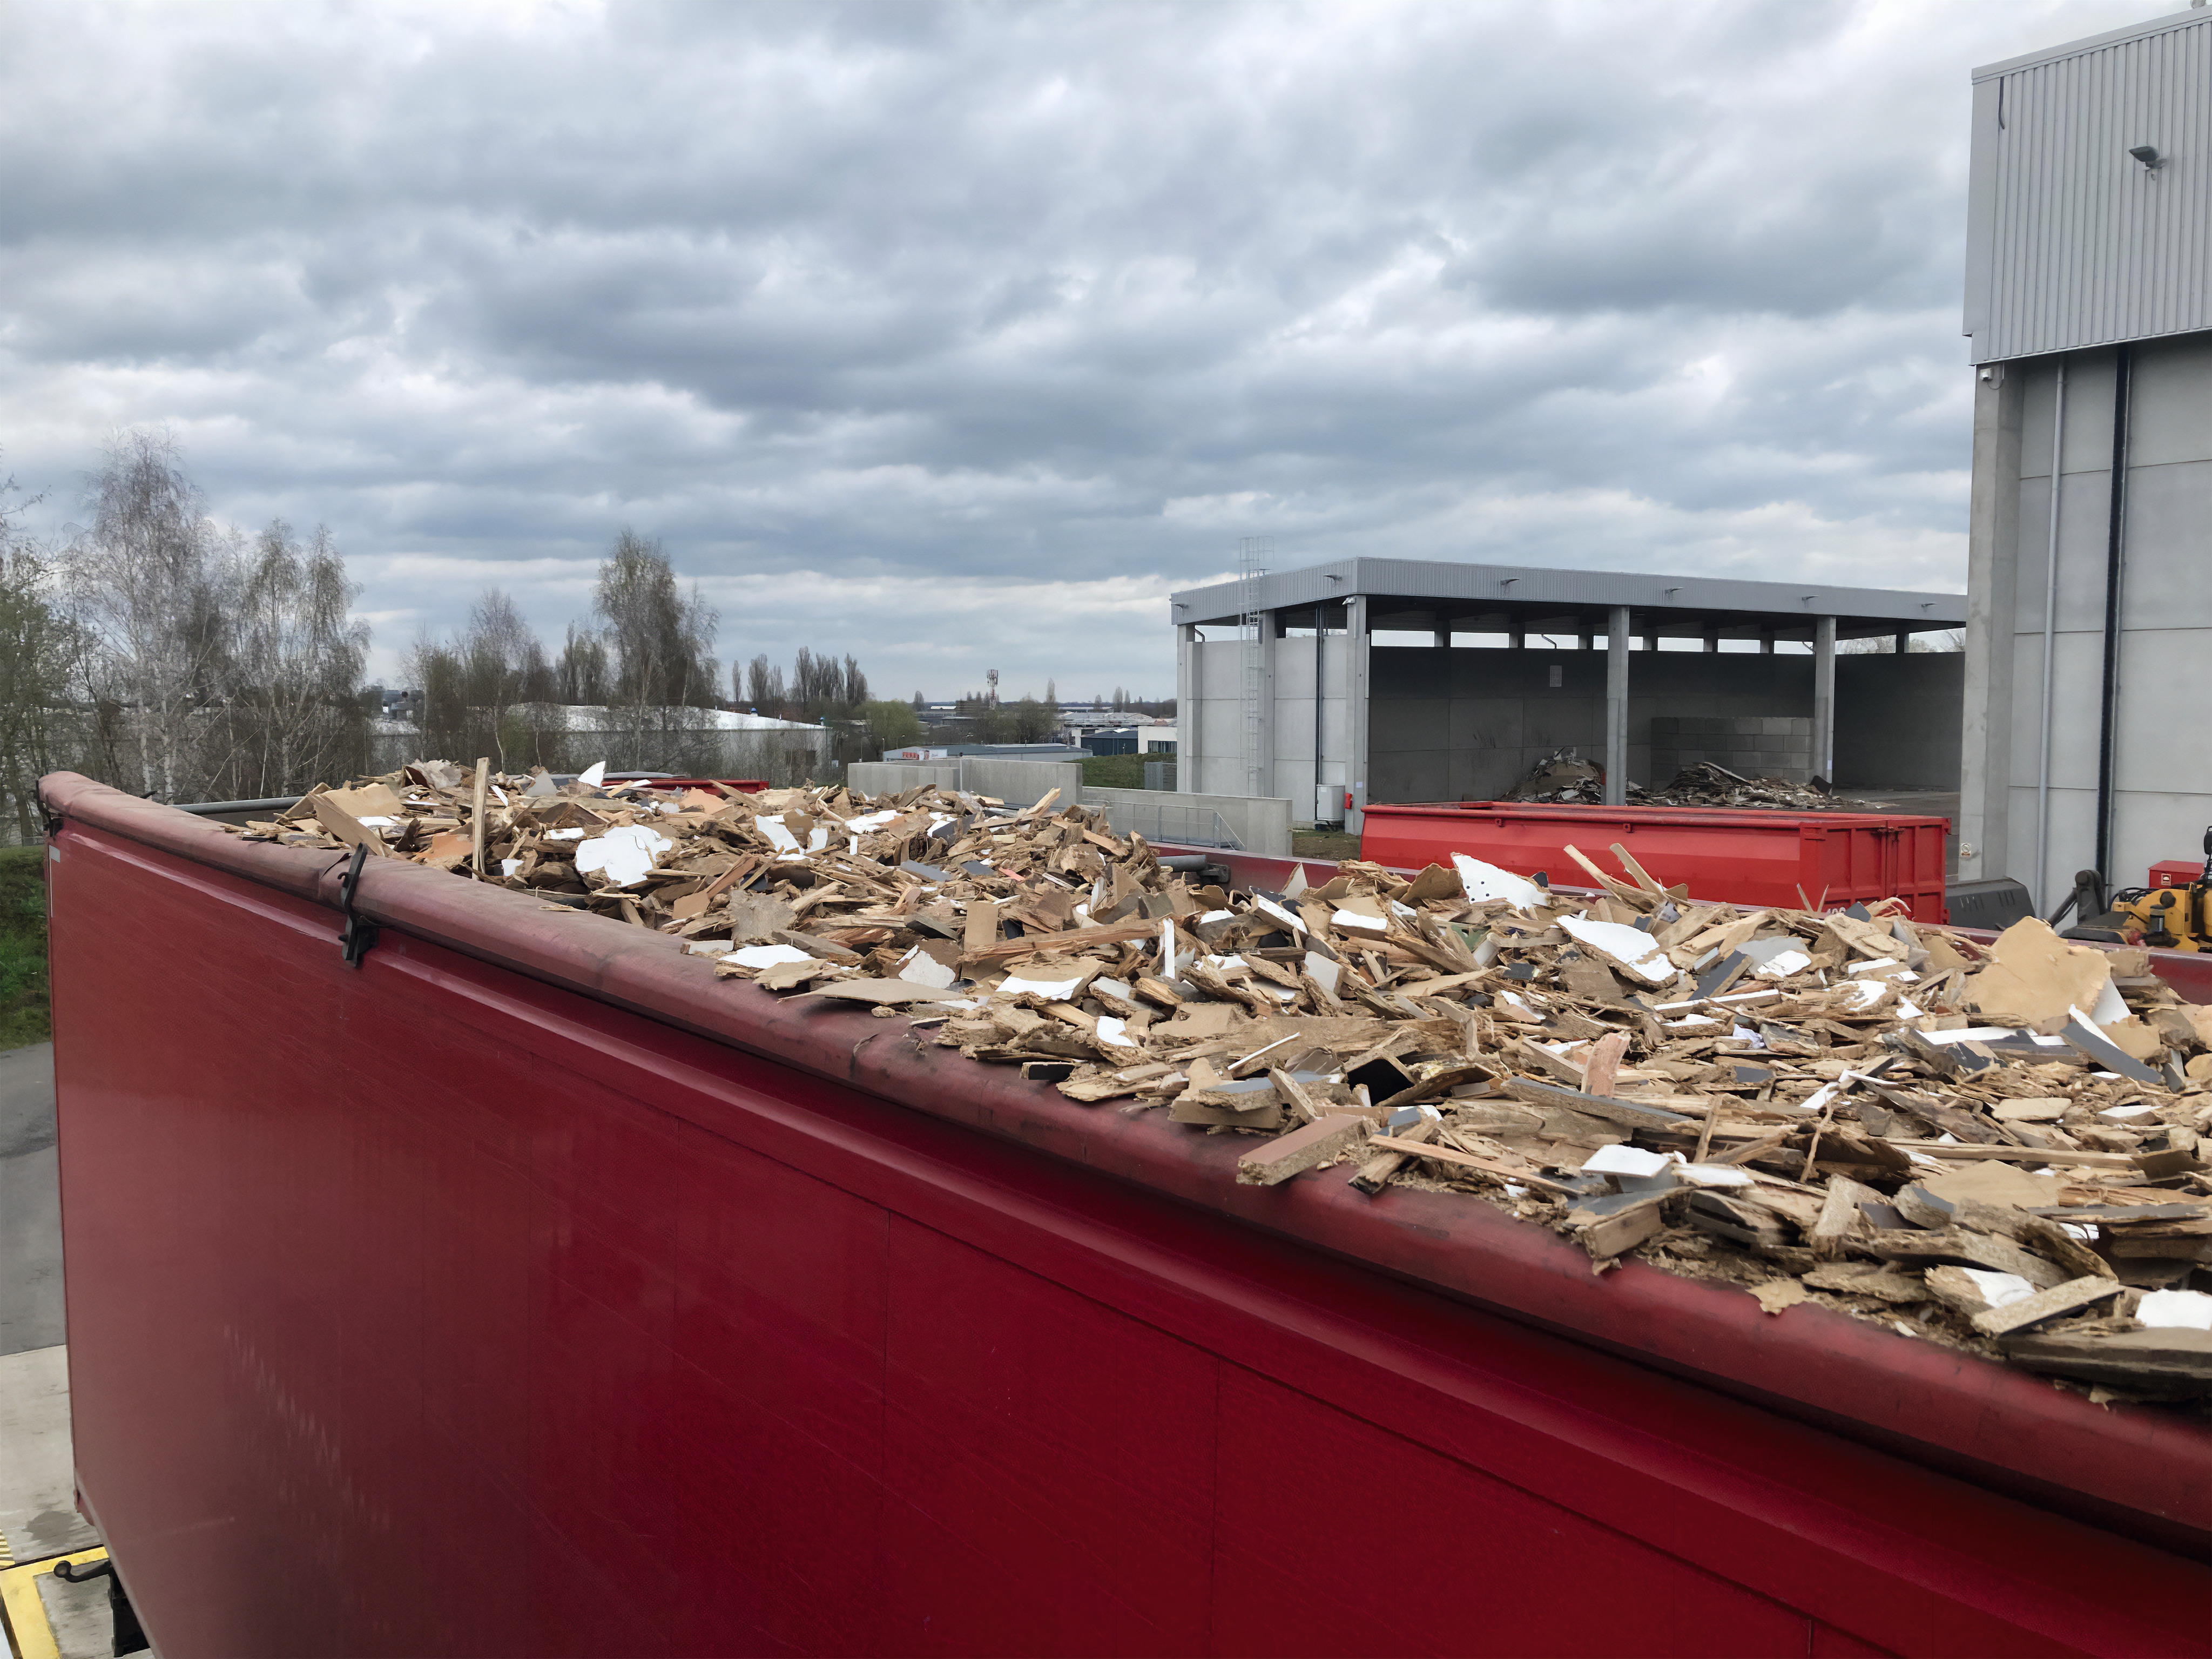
360,932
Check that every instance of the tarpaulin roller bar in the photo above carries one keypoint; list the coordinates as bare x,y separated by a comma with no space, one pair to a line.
526,1288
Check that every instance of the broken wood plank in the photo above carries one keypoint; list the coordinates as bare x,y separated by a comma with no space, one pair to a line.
1317,1142
2070,1298
1466,1161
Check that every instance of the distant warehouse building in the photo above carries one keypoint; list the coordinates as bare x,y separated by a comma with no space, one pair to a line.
1408,680
2089,702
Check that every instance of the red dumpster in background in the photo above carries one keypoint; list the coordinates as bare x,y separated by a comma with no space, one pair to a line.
1823,860
528,1290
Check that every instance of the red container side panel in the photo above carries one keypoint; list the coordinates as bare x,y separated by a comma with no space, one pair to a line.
1793,858
430,1308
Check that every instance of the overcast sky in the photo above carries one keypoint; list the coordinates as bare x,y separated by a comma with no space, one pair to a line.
956,336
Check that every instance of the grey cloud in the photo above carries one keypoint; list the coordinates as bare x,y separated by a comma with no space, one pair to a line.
907,291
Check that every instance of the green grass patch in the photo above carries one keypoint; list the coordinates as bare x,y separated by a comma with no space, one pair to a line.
26,1016
1323,844
1120,771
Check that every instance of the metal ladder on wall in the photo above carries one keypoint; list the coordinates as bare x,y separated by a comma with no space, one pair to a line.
1253,556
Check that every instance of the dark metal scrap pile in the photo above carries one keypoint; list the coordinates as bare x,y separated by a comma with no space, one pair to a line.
1996,1149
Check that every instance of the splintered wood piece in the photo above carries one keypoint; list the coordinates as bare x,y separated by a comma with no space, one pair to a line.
2156,1358
1082,938
1374,1174
1461,1160
1611,1108
1622,1230
981,929
1603,1069
1302,1148
1295,1096
1840,1216
477,797
2075,1293
1959,1246
2017,1155
1642,877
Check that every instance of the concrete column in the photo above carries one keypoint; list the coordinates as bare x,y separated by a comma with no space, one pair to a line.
1441,638
1650,641
1766,641
1259,781
1589,641
1992,575
1616,709
1358,646
1823,697
1186,707
1517,638
1312,804
1712,640
1904,642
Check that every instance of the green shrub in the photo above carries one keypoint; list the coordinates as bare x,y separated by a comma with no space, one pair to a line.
25,1016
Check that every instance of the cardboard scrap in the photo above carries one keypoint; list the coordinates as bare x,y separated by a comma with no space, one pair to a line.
2035,977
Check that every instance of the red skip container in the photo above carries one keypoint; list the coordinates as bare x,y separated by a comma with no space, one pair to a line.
1745,857
525,1289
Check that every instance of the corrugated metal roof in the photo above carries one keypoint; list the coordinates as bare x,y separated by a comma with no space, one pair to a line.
2070,241
1466,592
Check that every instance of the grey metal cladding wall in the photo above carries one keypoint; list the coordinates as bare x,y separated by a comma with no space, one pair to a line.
2072,242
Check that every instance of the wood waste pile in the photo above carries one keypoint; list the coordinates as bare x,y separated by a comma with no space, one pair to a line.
1995,1148
1708,784
1563,778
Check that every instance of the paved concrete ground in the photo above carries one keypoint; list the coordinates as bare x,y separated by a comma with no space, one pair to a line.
30,1204
38,1506
37,1488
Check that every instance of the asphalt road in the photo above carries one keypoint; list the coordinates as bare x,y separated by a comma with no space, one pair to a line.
30,1203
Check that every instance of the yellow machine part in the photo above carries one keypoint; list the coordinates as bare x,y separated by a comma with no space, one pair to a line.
2184,914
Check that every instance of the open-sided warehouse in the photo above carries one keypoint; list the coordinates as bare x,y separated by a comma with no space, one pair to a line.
1287,691
2089,646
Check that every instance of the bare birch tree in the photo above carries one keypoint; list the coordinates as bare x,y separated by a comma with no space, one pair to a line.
38,650
295,662
660,641
149,583
580,676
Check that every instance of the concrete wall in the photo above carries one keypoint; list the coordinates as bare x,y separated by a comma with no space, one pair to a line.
1752,746
1212,752
2162,735
1019,783
1897,721
897,777
1468,722
780,757
1260,824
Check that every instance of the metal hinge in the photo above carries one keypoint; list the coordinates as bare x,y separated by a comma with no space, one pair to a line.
359,932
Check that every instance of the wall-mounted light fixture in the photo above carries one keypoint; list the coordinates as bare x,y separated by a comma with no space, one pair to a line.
2148,155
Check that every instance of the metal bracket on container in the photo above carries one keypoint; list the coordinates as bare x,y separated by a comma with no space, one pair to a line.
359,932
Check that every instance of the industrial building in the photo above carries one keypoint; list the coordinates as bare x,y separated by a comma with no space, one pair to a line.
1364,680
2088,704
